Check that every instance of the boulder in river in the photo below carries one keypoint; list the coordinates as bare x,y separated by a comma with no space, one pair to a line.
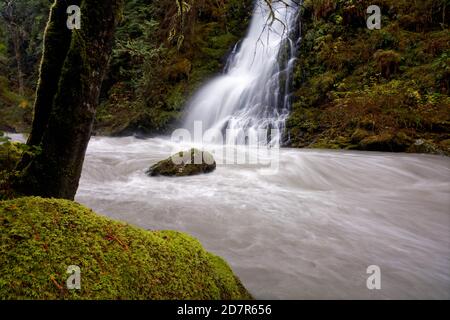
184,163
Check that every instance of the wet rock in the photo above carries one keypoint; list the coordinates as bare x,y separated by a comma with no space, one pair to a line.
359,135
184,163
387,142
424,146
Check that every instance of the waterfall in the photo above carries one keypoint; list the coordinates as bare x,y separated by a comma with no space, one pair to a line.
252,96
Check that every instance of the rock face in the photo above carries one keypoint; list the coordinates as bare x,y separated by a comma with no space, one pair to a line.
184,163
388,142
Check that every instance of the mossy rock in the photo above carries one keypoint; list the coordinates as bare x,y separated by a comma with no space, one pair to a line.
424,146
41,238
184,163
359,135
446,145
387,142
10,153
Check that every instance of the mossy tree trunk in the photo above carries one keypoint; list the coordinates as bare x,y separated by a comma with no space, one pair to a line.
57,40
68,94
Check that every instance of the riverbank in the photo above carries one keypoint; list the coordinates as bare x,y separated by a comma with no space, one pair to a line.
41,238
374,90
353,88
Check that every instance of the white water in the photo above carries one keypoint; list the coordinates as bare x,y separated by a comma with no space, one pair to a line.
309,231
253,93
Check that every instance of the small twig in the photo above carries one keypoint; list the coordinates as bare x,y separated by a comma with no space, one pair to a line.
113,237
56,283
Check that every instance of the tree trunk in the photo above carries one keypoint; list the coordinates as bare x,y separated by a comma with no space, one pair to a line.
57,40
56,170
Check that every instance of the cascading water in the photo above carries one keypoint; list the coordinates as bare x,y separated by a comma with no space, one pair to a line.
252,96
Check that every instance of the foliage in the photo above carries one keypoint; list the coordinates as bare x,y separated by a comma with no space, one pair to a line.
10,154
42,237
21,26
157,63
390,84
391,81
21,31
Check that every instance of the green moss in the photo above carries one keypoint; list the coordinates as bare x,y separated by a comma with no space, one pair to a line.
380,142
387,141
176,98
10,153
429,146
57,40
392,83
167,75
15,109
42,237
218,45
184,163
358,135
388,62
334,144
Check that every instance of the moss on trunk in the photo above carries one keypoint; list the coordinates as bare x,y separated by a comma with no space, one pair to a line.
55,172
57,40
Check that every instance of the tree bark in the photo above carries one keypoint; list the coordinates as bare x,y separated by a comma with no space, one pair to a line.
57,40
56,170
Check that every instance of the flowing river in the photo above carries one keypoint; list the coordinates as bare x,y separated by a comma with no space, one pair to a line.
309,230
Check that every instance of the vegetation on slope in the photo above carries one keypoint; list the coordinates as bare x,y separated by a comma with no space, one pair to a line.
382,90
21,31
10,154
159,59
41,238
157,64
354,88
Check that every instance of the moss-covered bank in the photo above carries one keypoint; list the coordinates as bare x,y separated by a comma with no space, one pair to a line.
40,238
380,90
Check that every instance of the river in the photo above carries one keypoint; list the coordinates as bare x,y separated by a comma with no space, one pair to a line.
308,231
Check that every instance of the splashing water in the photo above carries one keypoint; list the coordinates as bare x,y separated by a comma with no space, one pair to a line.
252,96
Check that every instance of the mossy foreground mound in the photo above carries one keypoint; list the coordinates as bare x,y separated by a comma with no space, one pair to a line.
41,238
